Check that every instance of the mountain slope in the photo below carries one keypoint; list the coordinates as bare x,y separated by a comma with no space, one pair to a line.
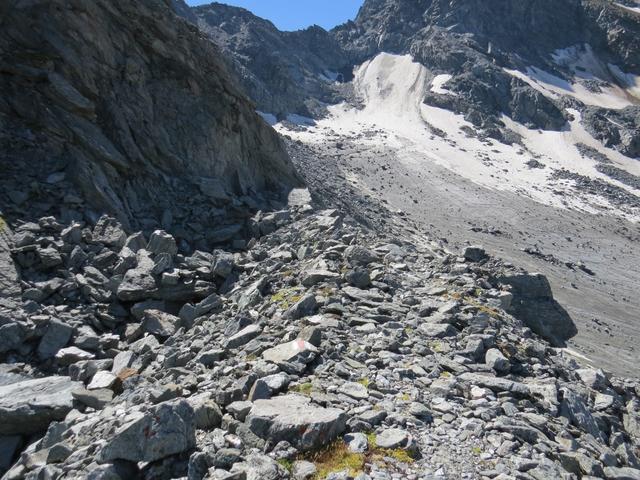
134,106
283,72
460,118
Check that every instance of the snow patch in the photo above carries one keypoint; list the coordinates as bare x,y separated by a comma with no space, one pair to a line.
553,87
438,83
593,82
392,89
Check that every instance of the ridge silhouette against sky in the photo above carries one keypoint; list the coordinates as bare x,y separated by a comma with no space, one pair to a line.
297,14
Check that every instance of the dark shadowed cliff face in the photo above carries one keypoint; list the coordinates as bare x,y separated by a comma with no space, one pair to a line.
134,105
283,72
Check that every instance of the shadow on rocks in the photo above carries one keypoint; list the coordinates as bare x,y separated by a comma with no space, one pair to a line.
534,305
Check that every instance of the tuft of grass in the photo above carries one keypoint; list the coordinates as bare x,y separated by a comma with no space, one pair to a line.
378,455
405,397
476,450
3,224
286,464
337,458
326,292
398,454
303,389
286,297
365,382
373,440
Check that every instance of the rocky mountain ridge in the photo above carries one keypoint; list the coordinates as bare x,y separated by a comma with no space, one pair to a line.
393,360
290,72
169,316
283,72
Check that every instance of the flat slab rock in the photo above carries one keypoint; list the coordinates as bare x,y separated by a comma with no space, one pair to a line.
299,351
166,429
295,419
29,406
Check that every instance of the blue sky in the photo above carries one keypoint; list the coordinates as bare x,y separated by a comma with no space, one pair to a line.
297,14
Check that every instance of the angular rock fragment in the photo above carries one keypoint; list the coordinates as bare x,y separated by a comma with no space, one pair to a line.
392,438
163,430
297,351
160,323
29,406
295,419
57,336
161,242
138,283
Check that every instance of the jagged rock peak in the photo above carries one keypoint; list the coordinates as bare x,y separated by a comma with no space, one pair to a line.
280,71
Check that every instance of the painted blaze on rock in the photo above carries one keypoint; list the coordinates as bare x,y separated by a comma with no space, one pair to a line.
295,419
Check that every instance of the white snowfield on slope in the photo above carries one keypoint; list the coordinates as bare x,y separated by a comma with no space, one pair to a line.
615,89
393,88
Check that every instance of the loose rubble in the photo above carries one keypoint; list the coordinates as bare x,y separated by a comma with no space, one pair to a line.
131,359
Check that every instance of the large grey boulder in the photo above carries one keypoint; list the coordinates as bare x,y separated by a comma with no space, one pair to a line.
138,283
631,420
497,361
576,410
166,429
207,413
393,438
162,242
307,305
29,406
295,419
357,255
243,336
160,323
11,336
624,473
56,337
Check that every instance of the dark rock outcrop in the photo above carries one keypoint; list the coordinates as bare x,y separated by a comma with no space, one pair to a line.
283,72
465,39
619,129
133,104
